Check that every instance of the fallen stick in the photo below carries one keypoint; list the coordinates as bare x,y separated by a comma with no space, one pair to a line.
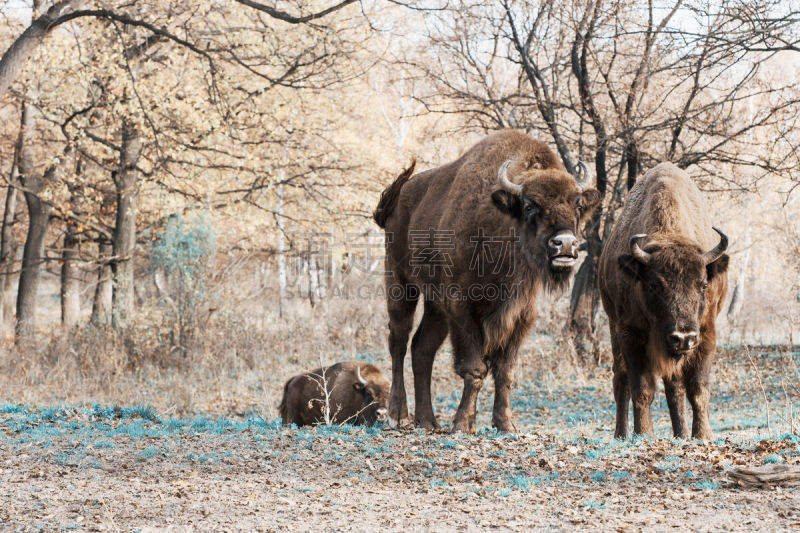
767,476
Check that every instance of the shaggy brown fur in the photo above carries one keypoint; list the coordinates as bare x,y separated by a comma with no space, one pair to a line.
349,400
647,303
477,256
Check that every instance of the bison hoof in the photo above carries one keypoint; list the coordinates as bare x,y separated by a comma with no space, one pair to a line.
397,413
504,426
461,426
428,424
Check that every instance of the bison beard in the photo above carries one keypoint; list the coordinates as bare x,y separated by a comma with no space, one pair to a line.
662,293
492,228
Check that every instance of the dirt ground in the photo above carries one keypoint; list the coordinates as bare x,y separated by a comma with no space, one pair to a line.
99,467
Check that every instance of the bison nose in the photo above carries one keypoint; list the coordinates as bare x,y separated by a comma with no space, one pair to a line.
563,244
381,412
683,341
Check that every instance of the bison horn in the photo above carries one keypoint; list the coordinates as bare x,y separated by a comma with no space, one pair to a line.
358,375
585,176
714,254
636,250
505,183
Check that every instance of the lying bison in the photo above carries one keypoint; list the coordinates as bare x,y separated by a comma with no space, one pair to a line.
662,292
348,392
476,240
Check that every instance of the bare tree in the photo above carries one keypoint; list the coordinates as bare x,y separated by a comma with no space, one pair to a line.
71,261
33,184
623,84
124,238
9,246
103,292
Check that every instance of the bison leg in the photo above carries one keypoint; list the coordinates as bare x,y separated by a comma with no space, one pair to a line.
640,380
503,373
642,392
622,390
429,336
699,391
401,320
676,400
622,397
501,412
470,365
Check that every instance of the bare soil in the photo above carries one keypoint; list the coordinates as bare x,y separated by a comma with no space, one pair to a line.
97,467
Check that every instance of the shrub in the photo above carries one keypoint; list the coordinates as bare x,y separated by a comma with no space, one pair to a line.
181,253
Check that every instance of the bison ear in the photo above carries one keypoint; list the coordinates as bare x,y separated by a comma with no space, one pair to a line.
717,267
508,203
358,386
631,266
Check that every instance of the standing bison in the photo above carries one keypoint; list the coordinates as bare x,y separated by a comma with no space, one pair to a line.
348,392
663,278
476,240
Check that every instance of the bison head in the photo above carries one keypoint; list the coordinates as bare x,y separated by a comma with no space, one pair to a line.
674,278
550,207
375,397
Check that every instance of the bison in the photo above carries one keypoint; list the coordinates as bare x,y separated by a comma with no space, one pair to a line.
663,278
347,392
476,240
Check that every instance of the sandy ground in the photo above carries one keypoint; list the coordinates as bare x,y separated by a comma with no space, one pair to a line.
95,467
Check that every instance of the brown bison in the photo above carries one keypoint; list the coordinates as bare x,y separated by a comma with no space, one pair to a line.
476,240
348,392
663,278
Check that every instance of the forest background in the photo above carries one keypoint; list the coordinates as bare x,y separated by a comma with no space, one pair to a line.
189,186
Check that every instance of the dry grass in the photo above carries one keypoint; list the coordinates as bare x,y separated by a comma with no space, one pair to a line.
237,358
239,355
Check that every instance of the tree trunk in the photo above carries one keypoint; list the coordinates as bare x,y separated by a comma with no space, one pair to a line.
281,253
70,278
101,306
738,295
585,298
124,237
33,258
8,249
282,292
38,220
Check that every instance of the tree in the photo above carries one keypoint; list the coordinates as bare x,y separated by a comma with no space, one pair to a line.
70,265
623,84
8,243
157,138
124,238
33,184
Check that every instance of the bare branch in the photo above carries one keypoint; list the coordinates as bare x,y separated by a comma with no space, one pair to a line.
291,19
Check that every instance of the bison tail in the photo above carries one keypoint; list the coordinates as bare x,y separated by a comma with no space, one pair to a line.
389,196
